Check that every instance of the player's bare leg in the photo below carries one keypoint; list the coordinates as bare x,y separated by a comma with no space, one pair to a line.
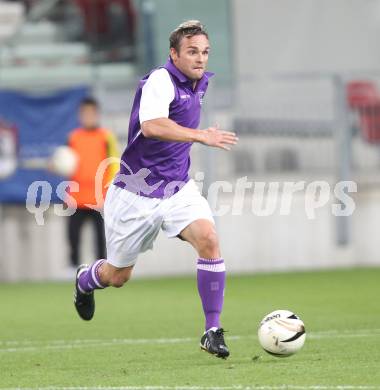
202,235
97,276
114,276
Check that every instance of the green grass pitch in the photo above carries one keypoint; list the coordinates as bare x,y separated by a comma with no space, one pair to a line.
147,334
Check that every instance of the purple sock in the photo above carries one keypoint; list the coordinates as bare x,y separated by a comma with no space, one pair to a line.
89,280
211,279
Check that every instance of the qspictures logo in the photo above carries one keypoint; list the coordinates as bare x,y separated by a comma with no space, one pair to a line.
236,198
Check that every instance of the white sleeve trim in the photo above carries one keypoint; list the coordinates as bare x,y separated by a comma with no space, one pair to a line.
157,94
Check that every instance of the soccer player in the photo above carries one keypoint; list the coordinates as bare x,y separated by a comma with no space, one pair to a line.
153,190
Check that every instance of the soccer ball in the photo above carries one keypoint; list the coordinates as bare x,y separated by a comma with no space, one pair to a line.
64,161
281,333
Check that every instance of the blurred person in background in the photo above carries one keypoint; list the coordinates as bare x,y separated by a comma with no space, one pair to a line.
92,144
163,125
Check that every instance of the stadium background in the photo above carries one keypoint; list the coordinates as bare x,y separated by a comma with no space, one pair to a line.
286,74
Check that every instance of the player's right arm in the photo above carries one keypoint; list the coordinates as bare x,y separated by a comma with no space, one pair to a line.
157,94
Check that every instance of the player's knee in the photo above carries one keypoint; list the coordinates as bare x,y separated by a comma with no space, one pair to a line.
209,243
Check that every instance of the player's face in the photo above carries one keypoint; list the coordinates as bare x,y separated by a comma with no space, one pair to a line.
89,116
192,57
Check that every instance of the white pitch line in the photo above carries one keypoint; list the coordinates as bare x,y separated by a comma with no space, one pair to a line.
327,333
254,387
39,345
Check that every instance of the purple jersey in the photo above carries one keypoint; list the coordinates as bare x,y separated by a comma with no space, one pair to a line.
154,168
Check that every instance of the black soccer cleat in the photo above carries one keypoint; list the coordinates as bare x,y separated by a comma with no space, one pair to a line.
213,342
84,302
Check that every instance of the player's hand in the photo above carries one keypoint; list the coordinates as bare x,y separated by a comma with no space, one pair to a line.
219,138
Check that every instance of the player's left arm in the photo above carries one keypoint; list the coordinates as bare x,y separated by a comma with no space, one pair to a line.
166,129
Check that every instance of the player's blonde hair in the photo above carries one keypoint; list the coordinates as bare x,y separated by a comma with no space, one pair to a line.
186,29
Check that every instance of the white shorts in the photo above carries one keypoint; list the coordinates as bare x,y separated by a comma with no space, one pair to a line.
132,222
